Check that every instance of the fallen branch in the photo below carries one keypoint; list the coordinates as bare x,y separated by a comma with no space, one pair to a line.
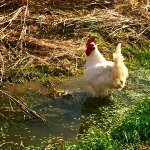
29,112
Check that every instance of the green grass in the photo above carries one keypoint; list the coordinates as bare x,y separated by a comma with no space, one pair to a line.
137,57
135,128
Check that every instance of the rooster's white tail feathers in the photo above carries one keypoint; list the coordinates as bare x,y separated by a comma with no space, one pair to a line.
117,56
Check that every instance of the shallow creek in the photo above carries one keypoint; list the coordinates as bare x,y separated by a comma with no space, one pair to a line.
63,113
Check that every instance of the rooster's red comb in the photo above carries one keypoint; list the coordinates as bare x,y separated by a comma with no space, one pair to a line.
90,40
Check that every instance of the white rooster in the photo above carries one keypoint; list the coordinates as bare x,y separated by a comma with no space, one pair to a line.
101,74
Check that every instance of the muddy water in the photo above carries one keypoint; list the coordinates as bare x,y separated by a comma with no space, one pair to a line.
63,111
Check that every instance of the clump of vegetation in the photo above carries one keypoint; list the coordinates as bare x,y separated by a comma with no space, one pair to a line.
135,128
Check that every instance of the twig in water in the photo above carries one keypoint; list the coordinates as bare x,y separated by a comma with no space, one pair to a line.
24,107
